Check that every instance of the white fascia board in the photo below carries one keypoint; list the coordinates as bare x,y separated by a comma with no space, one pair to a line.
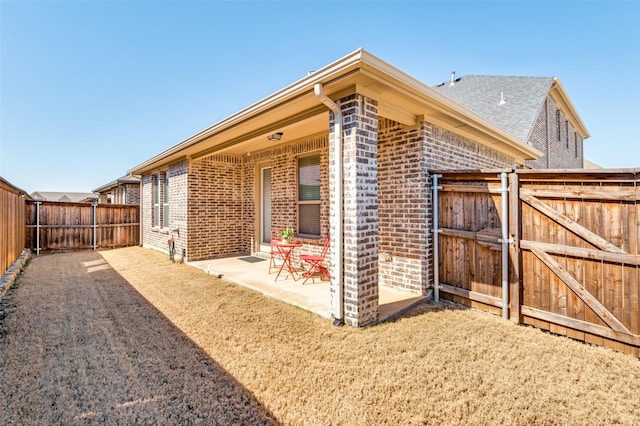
370,64
561,98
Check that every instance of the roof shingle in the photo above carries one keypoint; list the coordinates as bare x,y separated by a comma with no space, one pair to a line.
524,97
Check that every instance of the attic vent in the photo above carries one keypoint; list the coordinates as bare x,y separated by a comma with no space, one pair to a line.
502,101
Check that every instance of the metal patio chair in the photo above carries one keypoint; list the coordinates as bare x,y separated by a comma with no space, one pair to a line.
274,253
315,262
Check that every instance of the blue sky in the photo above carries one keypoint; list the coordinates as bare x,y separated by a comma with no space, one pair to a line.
89,89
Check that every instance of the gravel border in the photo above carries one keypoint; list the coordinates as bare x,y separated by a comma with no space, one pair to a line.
11,274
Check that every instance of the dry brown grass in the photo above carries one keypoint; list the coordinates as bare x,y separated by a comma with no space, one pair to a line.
451,366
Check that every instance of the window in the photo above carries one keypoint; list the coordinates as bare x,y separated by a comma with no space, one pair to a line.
559,138
575,144
159,200
309,196
155,200
165,202
566,134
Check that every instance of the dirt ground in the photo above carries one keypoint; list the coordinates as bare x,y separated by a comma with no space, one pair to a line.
142,340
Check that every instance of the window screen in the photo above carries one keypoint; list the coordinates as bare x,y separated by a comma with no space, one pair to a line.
165,204
155,199
309,196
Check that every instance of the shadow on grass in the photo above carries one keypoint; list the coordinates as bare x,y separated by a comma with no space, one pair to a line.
83,346
424,307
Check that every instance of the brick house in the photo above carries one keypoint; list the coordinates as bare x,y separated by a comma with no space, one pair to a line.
347,149
536,110
124,190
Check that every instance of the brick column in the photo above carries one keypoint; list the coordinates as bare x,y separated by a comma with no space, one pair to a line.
360,203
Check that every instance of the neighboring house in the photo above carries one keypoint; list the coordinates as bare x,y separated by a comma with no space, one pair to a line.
347,149
124,190
536,110
69,197
590,165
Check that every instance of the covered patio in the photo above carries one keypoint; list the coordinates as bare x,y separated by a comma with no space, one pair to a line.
314,296
345,151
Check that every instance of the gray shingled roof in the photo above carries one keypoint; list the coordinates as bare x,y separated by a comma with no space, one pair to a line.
524,98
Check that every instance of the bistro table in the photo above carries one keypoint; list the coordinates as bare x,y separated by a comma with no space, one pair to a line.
285,249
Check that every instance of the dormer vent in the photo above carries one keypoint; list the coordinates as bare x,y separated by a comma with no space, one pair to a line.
502,101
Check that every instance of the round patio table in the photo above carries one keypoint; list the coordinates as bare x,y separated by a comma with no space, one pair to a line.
286,250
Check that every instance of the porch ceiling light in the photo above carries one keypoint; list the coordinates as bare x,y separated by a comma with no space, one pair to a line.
275,137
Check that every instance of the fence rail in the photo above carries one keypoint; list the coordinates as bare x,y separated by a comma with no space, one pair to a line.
12,214
56,226
574,257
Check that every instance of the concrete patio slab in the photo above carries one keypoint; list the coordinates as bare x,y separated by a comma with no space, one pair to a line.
314,296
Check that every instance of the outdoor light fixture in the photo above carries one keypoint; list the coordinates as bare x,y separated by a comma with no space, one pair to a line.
275,137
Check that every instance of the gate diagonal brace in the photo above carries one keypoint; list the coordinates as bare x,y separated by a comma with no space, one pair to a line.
591,301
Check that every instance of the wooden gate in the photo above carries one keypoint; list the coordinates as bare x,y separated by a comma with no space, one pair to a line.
470,225
574,265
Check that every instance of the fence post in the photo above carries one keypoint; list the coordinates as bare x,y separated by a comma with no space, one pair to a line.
37,227
514,248
436,230
95,244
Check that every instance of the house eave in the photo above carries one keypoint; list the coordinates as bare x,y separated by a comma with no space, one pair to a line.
402,96
117,182
305,84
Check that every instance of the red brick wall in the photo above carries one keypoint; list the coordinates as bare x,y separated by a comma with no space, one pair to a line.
446,150
132,194
403,208
157,237
557,153
284,176
215,207
405,156
221,212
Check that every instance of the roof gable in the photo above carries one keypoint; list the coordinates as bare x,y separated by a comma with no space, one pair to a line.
512,103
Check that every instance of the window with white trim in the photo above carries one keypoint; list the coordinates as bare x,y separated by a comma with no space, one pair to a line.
155,201
309,196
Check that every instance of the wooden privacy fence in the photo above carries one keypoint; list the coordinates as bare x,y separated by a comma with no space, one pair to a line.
60,226
573,249
12,201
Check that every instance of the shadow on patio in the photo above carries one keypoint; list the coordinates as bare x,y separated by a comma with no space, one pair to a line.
314,296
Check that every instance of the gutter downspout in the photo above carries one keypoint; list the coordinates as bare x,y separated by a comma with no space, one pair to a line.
336,248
